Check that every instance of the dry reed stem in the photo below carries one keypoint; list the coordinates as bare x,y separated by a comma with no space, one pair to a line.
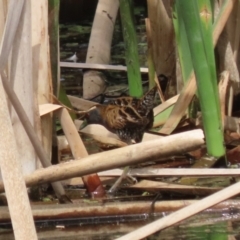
173,172
158,186
77,147
181,105
78,150
151,150
222,88
11,169
99,66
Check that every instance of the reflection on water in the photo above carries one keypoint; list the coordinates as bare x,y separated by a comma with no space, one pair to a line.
211,224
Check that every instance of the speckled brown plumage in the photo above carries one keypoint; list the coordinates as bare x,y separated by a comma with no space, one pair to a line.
126,116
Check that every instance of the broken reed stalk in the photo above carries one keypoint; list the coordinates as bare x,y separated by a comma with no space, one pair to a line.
77,147
151,150
180,106
95,188
223,87
173,172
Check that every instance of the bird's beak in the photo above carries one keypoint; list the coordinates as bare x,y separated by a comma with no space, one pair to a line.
84,124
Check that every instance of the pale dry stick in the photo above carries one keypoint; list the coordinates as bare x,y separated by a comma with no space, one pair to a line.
222,88
163,106
20,75
150,185
41,72
173,172
102,138
183,213
13,17
155,150
230,100
180,106
107,140
190,88
8,38
77,147
20,210
99,66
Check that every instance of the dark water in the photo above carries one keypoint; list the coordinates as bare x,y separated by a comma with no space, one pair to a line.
74,37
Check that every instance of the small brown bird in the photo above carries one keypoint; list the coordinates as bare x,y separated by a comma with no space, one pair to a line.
127,117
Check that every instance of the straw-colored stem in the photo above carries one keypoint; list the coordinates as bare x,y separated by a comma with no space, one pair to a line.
151,68
155,149
79,151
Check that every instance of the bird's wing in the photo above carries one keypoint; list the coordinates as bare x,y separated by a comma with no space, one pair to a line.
125,101
124,117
